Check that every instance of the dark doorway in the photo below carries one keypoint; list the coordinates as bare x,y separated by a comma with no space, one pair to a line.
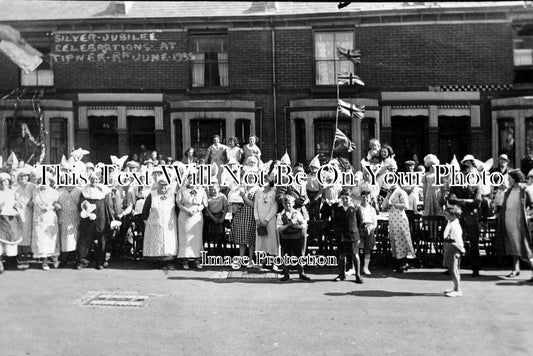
300,136
103,138
453,137
409,137
141,131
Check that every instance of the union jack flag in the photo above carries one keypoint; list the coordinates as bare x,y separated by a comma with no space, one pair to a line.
355,111
353,55
349,78
345,141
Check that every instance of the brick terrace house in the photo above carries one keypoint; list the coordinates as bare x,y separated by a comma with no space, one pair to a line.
447,78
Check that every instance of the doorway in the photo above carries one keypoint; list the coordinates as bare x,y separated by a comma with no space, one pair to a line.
409,137
103,138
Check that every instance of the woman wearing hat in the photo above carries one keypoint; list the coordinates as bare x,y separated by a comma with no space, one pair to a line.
9,220
513,236
159,214
23,197
432,194
45,240
191,201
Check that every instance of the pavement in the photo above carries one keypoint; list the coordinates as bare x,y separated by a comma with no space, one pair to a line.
212,311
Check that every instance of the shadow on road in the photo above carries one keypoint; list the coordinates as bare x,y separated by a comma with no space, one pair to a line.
383,293
440,276
516,283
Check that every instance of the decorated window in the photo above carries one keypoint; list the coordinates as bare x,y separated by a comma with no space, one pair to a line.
210,63
327,61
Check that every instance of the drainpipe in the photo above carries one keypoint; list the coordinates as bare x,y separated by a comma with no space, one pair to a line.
259,112
287,120
274,90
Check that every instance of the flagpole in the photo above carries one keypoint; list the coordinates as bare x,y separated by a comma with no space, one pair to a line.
336,117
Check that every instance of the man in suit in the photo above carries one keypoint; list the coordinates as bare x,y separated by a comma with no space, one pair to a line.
468,198
347,219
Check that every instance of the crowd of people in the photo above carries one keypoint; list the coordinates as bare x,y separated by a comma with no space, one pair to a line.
57,222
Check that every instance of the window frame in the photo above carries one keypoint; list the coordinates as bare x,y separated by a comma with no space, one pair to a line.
193,35
335,31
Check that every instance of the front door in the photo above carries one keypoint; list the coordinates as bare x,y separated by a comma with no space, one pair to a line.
103,138
409,137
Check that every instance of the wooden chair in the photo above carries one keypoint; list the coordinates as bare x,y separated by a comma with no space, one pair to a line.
431,240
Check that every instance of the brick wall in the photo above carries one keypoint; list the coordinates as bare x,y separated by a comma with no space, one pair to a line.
395,58
148,72
415,57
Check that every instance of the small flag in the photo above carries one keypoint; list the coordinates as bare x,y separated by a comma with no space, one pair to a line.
351,110
349,54
349,79
18,50
345,142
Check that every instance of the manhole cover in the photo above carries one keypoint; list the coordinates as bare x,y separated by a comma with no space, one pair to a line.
245,275
115,300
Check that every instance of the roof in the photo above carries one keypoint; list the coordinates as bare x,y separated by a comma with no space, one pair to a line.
27,10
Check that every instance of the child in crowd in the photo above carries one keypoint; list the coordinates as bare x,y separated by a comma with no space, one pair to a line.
291,225
453,248
368,227
347,219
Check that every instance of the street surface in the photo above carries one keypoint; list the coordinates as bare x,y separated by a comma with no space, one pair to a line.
203,312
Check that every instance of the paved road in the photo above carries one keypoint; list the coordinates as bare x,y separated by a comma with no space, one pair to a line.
191,312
